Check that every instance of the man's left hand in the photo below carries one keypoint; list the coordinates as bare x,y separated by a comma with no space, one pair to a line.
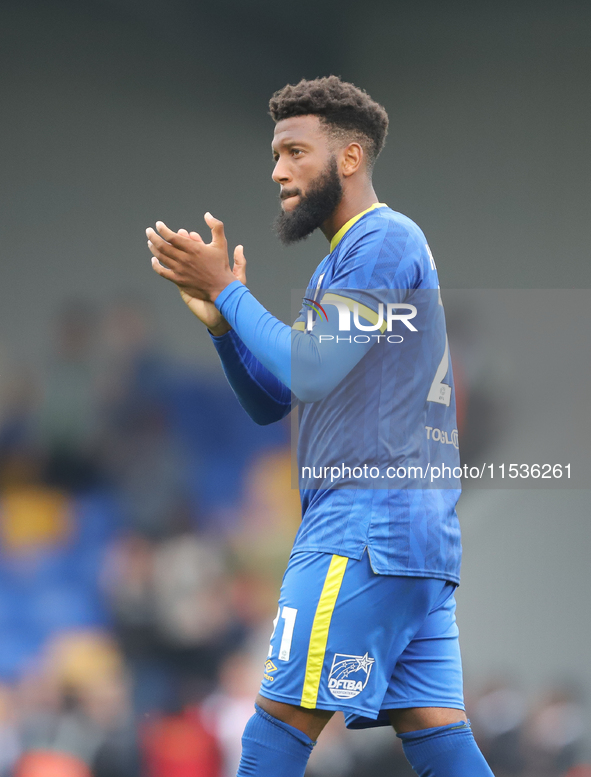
200,269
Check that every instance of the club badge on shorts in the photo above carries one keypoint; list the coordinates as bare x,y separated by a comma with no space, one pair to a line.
349,675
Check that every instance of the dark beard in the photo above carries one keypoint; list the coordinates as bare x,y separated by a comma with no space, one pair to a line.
323,196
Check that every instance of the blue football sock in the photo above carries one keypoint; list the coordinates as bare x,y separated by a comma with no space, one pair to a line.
446,751
271,748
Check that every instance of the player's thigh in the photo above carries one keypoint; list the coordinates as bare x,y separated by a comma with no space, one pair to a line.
418,718
427,683
338,633
311,722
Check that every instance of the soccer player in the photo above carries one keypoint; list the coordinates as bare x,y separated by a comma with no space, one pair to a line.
366,620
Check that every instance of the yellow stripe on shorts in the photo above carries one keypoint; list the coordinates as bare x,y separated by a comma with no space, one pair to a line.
319,635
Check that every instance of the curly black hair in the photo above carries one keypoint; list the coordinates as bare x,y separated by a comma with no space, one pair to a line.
348,112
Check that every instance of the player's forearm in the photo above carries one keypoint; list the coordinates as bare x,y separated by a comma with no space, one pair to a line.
267,338
260,393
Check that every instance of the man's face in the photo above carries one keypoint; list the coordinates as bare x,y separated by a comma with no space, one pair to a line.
306,169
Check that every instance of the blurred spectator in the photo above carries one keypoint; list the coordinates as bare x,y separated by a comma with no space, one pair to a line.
9,739
190,591
481,415
34,516
74,711
372,752
45,763
333,755
127,578
262,542
147,469
132,369
68,414
498,717
555,733
180,746
172,608
228,709
19,460
51,548
377,752
145,461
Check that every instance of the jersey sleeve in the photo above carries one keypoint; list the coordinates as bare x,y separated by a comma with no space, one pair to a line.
309,363
264,397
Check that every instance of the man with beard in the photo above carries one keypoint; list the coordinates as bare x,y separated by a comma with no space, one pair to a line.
366,619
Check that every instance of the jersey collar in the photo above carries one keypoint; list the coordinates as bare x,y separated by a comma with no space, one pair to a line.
346,227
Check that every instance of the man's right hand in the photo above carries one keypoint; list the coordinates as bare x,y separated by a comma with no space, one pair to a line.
207,312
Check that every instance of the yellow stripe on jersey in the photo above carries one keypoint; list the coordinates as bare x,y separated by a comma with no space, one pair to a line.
364,312
340,234
320,627
300,326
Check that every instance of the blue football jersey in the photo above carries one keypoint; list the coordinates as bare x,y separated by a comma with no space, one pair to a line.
378,457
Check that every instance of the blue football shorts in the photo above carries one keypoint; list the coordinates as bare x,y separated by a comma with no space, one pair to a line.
348,639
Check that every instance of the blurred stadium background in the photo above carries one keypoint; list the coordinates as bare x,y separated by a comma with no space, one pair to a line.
144,520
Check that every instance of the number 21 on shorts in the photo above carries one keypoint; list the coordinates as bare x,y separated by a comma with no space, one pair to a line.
287,614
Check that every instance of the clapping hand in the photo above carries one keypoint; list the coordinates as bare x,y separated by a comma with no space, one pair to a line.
200,270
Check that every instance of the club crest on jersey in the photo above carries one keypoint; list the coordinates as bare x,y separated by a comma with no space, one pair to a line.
349,675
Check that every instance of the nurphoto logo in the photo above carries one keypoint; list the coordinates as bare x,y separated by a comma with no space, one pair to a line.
381,321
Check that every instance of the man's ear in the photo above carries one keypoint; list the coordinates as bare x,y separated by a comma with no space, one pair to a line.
352,159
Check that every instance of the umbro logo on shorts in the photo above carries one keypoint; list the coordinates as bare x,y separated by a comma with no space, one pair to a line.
269,669
349,675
